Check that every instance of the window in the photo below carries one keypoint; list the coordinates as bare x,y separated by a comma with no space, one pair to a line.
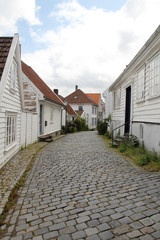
92,121
117,99
95,121
10,129
13,75
154,77
94,110
140,85
80,108
51,115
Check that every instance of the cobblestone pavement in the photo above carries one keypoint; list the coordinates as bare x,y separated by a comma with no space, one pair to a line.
79,189
14,169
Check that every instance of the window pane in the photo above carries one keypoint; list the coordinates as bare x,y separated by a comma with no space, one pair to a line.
10,129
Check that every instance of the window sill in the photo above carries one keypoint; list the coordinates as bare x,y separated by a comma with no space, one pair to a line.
8,148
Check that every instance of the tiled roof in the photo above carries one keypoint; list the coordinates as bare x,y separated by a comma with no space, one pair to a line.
38,82
94,96
79,97
79,112
70,110
5,44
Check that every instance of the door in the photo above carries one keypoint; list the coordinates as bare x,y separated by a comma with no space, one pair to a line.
41,119
128,110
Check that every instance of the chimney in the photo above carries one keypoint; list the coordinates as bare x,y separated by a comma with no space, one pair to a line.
56,91
76,87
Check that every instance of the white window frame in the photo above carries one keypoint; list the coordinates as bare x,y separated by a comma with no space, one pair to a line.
14,75
154,77
140,85
11,130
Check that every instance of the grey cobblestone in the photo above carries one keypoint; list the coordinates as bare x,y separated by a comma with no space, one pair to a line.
79,189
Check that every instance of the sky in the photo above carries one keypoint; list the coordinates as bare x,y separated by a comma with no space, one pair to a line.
79,42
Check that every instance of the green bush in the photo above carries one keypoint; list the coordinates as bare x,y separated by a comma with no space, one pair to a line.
108,134
102,127
133,141
63,129
81,124
123,147
71,127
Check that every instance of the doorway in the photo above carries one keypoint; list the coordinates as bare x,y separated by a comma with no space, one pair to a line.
127,111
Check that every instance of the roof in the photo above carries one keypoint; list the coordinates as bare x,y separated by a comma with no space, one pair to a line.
141,51
5,44
79,112
79,97
70,110
94,96
40,84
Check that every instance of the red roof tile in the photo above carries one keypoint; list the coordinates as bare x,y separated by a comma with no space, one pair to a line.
5,44
70,110
79,112
94,96
79,97
40,84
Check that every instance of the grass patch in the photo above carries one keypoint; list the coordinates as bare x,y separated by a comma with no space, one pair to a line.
148,160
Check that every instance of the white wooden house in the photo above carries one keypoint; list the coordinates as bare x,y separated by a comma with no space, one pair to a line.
81,102
136,95
96,97
11,97
68,113
108,102
45,103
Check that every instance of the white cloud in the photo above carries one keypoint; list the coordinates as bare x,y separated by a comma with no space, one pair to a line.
12,11
93,47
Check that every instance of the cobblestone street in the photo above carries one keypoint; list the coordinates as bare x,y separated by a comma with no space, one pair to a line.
79,189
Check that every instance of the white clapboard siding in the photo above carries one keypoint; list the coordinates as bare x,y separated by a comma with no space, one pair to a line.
10,102
148,110
145,114
118,114
55,125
